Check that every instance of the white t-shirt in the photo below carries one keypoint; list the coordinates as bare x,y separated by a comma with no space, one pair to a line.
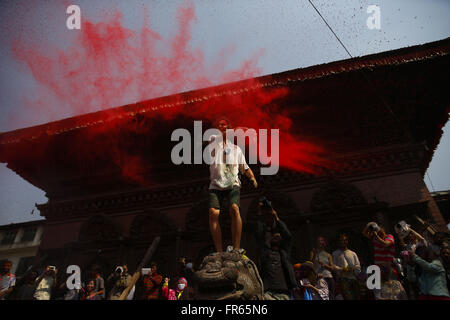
347,258
226,163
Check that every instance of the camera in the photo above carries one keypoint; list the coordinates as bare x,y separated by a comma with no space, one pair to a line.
265,203
402,229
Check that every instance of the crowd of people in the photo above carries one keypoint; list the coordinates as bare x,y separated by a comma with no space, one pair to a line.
46,286
419,270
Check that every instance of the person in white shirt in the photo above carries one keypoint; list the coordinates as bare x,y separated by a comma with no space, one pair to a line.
347,266
227,161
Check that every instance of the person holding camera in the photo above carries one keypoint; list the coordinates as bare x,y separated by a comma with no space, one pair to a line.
277,271
45,283
383,244
409,240
433,278
120,279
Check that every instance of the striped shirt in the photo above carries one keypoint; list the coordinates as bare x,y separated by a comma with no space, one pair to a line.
384,254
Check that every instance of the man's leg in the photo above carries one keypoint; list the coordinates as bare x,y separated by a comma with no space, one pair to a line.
215,200
236,226
356,295
345,289
236,221
214,227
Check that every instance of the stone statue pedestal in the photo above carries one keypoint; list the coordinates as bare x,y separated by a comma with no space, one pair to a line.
228,276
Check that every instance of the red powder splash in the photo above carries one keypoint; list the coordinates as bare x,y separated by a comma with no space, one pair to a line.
262,109
109,65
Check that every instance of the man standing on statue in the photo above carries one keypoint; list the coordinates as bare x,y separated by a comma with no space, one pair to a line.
227,161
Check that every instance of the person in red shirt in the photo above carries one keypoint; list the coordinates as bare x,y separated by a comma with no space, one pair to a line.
383,244
151,284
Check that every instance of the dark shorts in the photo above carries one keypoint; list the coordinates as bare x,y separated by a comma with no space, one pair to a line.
216,197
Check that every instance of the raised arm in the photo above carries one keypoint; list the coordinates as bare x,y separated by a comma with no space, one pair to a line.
386,243
39,279
366,232
165,288
418,236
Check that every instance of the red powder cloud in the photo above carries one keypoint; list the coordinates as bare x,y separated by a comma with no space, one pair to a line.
108,65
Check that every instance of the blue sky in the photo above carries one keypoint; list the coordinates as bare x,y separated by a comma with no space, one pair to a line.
289,32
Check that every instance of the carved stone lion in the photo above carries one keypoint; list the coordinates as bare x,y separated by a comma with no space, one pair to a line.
228,275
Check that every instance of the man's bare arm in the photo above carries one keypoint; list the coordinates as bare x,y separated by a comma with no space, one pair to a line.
382,241
366,233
